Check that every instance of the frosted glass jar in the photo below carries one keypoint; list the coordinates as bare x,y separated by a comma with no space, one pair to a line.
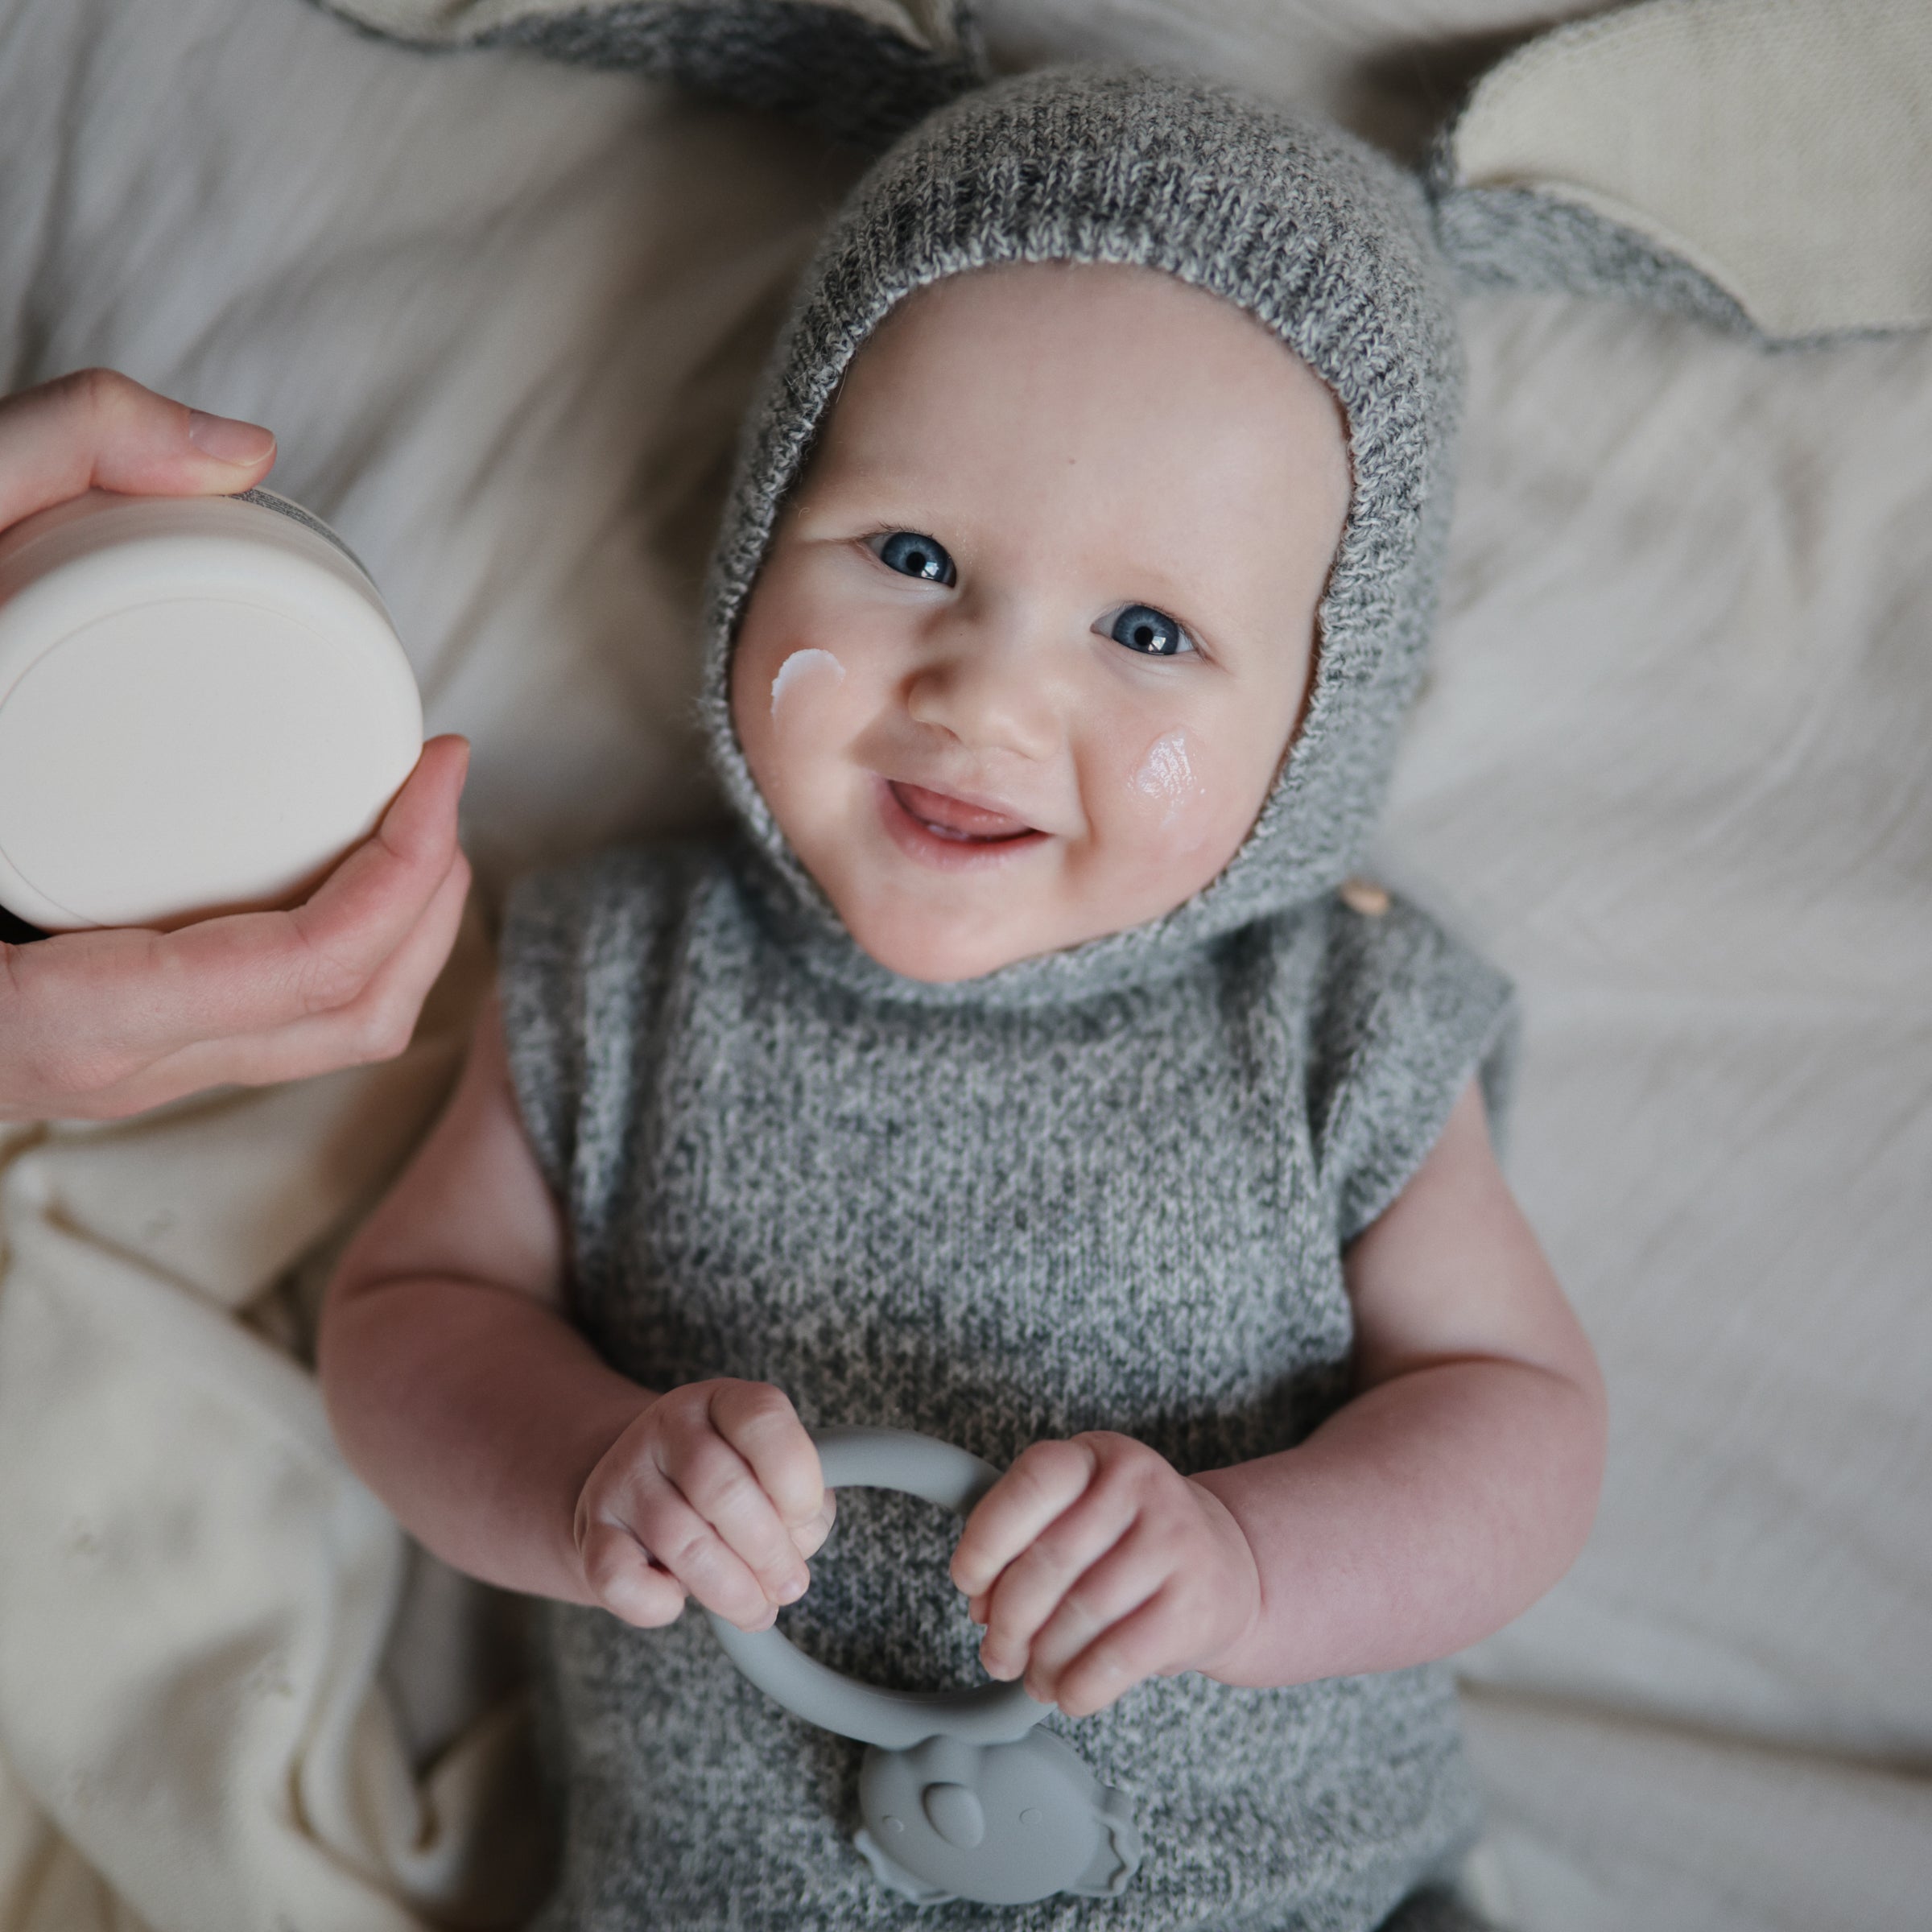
203,706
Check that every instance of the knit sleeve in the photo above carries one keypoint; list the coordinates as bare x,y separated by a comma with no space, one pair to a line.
580,964
1408,1015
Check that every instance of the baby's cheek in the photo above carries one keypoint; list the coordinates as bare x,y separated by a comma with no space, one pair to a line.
804,680
1172,800
807,704
789,705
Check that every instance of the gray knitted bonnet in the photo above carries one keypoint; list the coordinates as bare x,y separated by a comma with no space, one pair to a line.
1324,242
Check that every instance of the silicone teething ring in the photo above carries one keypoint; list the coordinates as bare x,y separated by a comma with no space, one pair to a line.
988,1714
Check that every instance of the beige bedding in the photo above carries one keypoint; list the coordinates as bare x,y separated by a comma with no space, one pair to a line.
1670,771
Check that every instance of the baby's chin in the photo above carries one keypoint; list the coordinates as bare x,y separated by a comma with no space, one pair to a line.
944,948
938,959
941,950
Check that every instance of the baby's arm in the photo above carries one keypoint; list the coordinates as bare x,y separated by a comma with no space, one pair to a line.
461,1394
1454,1489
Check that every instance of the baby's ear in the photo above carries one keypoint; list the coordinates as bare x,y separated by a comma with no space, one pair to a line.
1762,165
862,71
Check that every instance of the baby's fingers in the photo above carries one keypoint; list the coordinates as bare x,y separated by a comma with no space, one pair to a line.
1063,1588
1117,1621
1142,1644
809,1538
760,1423
705,1559
1047,1479
734,1497
624,1579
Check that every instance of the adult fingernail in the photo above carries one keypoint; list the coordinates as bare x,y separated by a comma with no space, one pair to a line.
228,440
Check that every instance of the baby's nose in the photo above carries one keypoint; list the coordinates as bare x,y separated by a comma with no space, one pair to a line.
990,691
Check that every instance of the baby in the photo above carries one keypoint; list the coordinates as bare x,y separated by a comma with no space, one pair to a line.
1023,1072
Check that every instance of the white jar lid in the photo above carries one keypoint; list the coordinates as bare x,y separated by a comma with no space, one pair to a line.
202,705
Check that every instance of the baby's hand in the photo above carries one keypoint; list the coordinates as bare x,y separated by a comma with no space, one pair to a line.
1093,1563
712,1491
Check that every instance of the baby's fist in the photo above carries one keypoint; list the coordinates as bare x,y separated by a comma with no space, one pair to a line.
1094,1563
712,1491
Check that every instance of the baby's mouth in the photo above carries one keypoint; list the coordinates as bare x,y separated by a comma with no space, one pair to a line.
946,817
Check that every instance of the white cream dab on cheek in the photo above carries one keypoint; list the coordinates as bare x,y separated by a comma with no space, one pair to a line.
802,663
1166,776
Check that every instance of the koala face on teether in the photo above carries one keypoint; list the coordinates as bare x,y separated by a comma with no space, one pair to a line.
1004,1824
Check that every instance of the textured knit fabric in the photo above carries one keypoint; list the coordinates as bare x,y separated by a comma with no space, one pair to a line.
1520,238
1123,1211
1314,234
1109,1189
857,77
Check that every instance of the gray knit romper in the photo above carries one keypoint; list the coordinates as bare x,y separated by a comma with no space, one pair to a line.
1109,1188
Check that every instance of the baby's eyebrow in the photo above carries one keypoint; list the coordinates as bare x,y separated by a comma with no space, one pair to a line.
863,503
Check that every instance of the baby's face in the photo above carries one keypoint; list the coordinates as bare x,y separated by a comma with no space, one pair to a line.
1036,629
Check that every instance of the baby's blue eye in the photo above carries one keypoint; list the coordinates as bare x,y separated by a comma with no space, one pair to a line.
913,555
1141,627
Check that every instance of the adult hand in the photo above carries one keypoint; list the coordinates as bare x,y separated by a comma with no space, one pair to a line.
100,1025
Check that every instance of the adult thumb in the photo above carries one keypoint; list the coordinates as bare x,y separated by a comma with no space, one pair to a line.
97,429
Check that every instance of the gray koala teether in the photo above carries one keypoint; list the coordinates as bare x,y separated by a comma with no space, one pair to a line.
963,1796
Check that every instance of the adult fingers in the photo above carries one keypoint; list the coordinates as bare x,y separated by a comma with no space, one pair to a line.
363,910
1046,1478
379,1023
99,1025
253,973
99,429
376,1026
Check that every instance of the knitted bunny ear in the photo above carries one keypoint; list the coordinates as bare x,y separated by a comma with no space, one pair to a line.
1762,163
862,71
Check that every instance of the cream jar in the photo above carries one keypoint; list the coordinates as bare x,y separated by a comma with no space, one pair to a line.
203,706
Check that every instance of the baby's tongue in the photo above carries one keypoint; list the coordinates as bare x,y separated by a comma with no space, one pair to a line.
956,815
